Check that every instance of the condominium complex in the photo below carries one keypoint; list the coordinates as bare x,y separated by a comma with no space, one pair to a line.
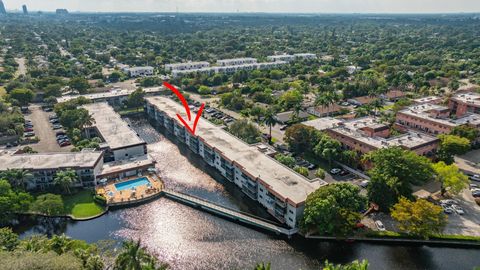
276,187
139,71
434,119
289,57
119,141
236,61
87,164
229,68
368,134
465,103
186,66
113,97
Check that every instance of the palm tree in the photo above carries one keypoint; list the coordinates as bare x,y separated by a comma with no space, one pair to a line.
65,179
270,120
322,100
17,177
376,105
362,111
133,257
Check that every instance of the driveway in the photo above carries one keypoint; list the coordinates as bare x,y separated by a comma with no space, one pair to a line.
43,130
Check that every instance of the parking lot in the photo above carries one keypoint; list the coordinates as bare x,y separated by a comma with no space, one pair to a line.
469,222
43,130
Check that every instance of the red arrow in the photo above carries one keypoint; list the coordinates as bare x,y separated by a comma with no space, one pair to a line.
187,109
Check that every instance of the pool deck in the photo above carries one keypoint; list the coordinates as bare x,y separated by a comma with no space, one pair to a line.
125,197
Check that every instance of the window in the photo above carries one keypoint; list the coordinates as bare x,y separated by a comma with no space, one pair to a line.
290,219
290,211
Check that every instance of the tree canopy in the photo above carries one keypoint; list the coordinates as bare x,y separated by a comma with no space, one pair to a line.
333,209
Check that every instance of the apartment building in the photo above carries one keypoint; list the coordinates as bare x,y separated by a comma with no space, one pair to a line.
115,97
229,69
465,103
433,119
305,56
368,134
87,164
281,58
186,66
120,142
276,187
139,71
236,61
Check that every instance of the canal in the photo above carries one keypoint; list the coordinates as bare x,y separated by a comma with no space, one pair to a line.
190,239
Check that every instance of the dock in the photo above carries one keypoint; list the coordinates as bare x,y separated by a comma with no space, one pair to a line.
229,213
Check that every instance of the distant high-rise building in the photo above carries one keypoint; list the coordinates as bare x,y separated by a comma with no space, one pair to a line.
25,10
61,11
2,8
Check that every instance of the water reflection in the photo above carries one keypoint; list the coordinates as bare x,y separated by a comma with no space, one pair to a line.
190,239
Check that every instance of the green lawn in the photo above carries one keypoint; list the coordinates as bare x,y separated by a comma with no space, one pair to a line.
82,205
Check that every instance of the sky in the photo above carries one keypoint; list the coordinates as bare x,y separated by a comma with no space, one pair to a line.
290,6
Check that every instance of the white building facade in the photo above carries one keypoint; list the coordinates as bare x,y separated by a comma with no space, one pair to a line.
277,188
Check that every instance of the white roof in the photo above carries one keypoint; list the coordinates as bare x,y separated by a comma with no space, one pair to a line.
353,129
109,94
112,128
323,123
422,111
44,161
279,178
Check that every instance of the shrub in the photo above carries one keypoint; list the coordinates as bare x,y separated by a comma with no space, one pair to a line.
100,200
320,173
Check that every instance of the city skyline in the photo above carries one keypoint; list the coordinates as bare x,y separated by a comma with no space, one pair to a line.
273,6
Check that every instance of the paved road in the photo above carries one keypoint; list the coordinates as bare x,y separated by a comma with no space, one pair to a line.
44,132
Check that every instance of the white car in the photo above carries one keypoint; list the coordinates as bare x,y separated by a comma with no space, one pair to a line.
473,186
449,201
458,209
475,177
364,183
448,210
335,171
379,225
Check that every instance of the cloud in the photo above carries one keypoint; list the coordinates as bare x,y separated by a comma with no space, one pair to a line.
309,6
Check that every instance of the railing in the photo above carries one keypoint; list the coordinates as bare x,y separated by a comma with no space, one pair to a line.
230,213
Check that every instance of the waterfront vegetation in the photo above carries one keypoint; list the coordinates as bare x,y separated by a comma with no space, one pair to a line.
63,253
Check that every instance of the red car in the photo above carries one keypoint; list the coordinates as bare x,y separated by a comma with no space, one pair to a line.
63,144
28,129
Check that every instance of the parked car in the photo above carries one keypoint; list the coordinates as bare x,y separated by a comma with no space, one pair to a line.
448,209
343,173
8,145
53,116
60,133
473,186
63,144
364,183
28,129
449,202
476,193
57,126
48,109
335,171
475,177
29,134
284,127
458,209
379,225
311,166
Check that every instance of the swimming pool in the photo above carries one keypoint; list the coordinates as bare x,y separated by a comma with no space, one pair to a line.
132,184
